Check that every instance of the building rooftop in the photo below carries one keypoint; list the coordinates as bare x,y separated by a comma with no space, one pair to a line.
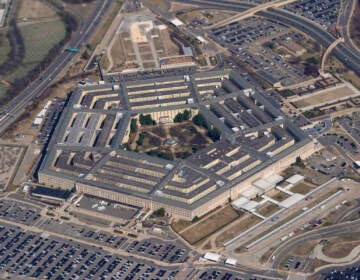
50,192
88,145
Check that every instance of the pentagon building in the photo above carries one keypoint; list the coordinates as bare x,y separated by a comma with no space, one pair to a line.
87,149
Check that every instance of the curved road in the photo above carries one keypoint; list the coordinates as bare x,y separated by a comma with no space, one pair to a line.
344,22
17,105
322,233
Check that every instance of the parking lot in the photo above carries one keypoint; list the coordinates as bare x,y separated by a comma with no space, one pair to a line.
342,141
351,125
164,251
46,257
19,212
212,274
171,252
324,12
254,41
346,273
83,232
293,263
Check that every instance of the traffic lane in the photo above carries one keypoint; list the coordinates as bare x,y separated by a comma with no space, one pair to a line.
225,5
245,271
319,234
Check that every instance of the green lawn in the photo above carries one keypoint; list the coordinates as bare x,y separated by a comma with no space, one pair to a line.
39,38
3,90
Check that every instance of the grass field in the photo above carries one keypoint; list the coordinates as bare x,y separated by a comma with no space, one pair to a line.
4,47
3,89
209,225
351,77
324,97
39,38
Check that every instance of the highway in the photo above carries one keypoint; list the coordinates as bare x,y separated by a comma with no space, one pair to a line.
344,53
323,233
17,105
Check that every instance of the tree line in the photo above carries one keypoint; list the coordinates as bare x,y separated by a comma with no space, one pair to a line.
17,52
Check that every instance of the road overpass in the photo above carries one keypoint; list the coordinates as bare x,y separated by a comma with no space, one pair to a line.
327,52
249,13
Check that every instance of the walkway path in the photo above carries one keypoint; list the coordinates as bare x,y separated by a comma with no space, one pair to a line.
328,51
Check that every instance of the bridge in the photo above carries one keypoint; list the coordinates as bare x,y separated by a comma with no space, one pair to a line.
328,51
249,13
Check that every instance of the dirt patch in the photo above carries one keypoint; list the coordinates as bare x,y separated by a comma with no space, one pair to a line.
246,222
278,195
210,225
35,10
305,249
267,209
9,155
175,7
117,54
180,225
302,188
341,247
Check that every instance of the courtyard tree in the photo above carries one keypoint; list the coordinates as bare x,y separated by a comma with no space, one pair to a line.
146,120
133,126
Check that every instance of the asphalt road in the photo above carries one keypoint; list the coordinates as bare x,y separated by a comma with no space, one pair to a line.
17,105
262,274
344,20
322,233
344,53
